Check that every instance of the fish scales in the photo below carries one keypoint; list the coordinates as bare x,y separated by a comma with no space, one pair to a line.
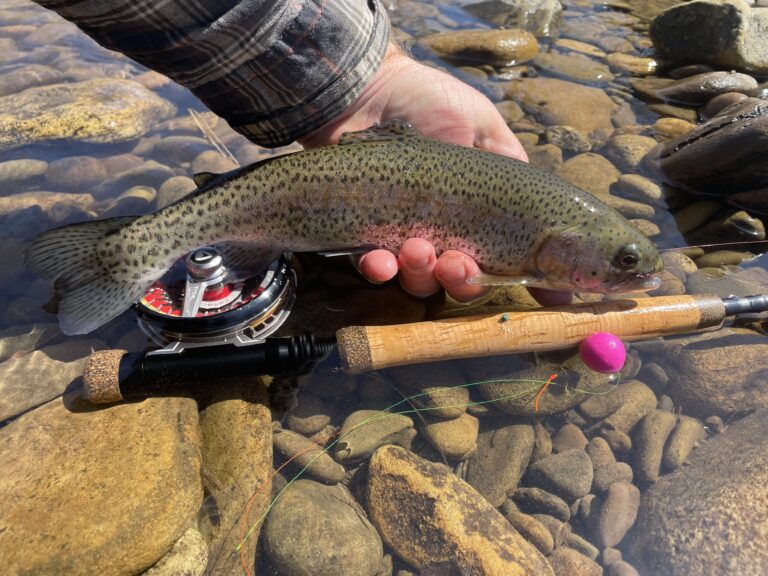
378,187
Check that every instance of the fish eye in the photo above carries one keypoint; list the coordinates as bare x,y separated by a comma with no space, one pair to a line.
628,257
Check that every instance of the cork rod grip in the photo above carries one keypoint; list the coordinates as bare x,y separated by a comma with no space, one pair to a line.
365,348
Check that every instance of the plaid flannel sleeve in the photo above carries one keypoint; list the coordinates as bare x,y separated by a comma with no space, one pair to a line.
274,69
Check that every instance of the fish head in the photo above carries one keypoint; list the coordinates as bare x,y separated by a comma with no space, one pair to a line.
599,256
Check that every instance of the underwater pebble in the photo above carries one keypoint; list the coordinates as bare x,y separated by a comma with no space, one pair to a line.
135,200
307,456
679,264
610,474
501,458
310,415
568,474
120,163
437,388
212,161
591,172
568,562
538,501
547,157
668,128
321,530
686,434
173,189
494,47
530,529
401,486
151,174
722,258
636,401
574,66
619,568
364,431
581,47
637,188
77,173
542,446
581,545
631,64
647,227
650,436
719,103
628,150
510,111
700,88
179,149
189,556
569,437
455,438
14,173
599,452
567,138
616,513
671,111
558,530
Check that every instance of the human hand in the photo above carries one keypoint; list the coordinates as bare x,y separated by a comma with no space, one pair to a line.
438,106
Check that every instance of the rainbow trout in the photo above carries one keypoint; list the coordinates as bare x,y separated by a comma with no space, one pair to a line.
376,188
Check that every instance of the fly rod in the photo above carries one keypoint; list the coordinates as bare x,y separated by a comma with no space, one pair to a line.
114,375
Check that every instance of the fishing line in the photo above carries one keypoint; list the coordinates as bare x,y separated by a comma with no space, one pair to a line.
541,384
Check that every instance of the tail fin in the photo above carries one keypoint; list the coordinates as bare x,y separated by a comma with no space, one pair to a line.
85,272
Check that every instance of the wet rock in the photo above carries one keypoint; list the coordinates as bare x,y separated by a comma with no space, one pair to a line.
542,446
135,200
637,188
530,529
728,282
556,102
722,258
580,47
568,562
752,200
77,173
646,227
568,474
627,150
510,111
600,453
619,568
437,388
709,517
700,88
95,111
14,174
610,555
679,264
366,430
547,157
212,161
651,435
538,501
696,214
151,173
687,434
539,17
516,393
727,34
668,128
679,112
494,47
307,456
567,138
455,438
581,545
607,475
559,530
173,189
237,457
188,557
179,149
502,454
20,340
569,437
718,374
310,415
720,156
127,473
19,79
121,163
401,486
616,513
48,202
720,103
591,172
321,530
624,407
729,227
575,67
631,64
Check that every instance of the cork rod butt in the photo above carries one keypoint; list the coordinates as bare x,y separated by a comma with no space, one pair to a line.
101,377
354,349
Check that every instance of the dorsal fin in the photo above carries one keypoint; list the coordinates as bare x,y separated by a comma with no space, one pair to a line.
384,132
202,178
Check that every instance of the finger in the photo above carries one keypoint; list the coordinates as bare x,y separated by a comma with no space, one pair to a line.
417,260
452,270
378,265
550,297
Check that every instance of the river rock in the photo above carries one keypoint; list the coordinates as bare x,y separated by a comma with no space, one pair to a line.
129,473
567,138
494,47
725,33
580,47
552,101
568,474
151,173
539,17
530,529
615,513
569,437
619,568
581,545
687,434
28,76
455,438
542,443
631,64
401,486
626,151
310,415
188,557
307,456
607,475
179,149
720,103
48,202
15,174
721,156
366,430
95,111
173,189
650,436
568,562
437,388
637,188
575,67
717,374
212,161
591,172
668,128
538,501
502,454
709,517
547,157
321,530
77,173
701,88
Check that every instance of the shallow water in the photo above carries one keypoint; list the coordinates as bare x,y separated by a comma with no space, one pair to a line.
716,379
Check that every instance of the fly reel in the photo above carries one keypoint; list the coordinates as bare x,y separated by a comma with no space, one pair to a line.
201,301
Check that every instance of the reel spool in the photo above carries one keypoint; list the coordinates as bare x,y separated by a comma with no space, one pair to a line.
201,301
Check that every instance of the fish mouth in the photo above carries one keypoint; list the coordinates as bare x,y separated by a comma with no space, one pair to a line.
637,283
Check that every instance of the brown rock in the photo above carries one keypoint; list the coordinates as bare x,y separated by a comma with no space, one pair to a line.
568,474
569,437
590,172
401,486
531,529
568,562
688,432
616,513
455,438
494,47
650,437
628,150
307,456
